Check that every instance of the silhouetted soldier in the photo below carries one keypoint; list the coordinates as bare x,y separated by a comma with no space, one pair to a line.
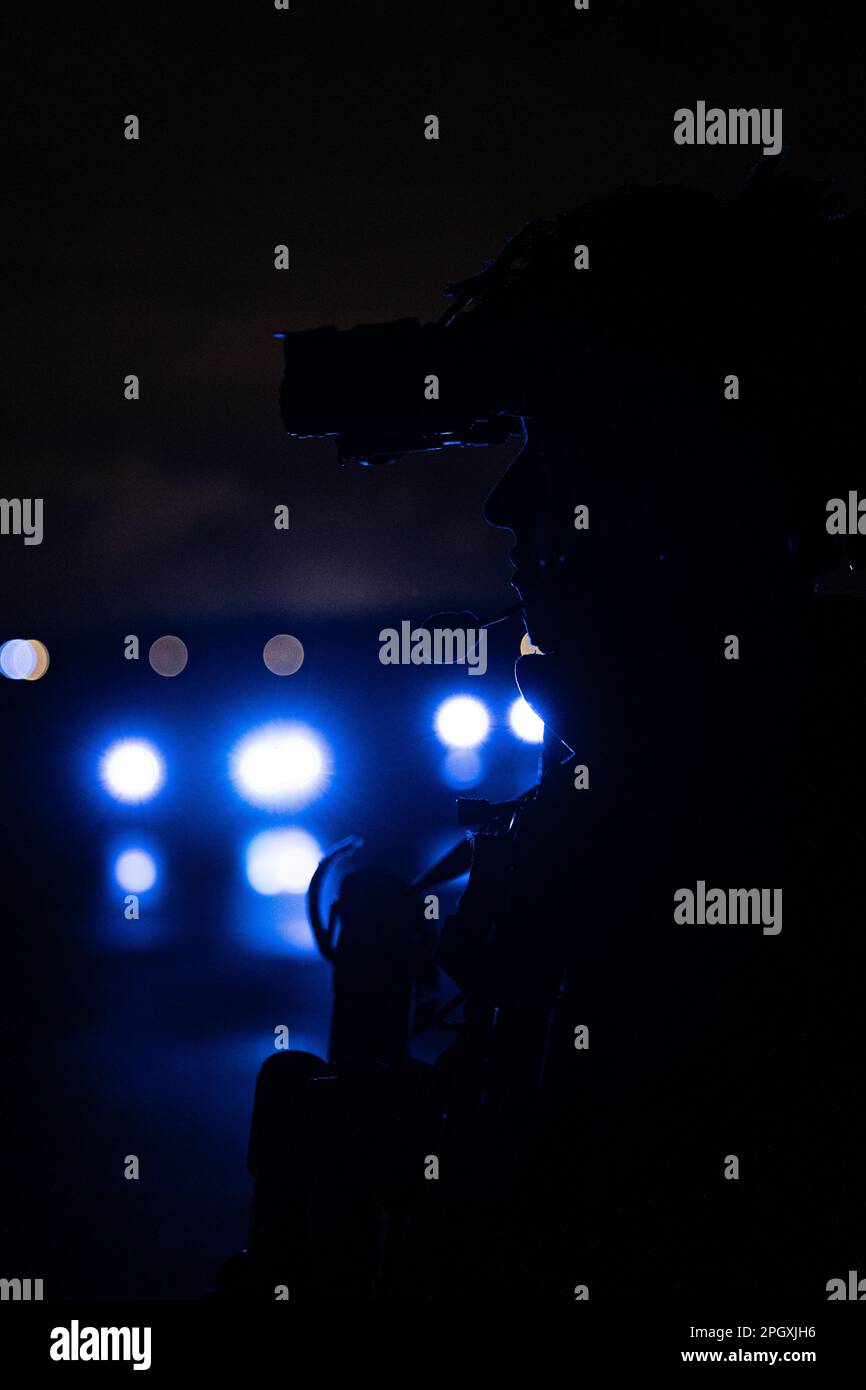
636,1104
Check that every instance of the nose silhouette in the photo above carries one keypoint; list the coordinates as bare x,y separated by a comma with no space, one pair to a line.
510,498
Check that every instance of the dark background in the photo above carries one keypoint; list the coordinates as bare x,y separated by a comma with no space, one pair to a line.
305,127
156,257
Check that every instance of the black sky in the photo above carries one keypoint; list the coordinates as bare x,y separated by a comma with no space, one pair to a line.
306,127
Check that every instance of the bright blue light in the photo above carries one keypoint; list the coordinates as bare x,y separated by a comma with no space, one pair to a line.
17,659
462,767
295,932
281,861
462,722
280,766
135,870
132,770
524,722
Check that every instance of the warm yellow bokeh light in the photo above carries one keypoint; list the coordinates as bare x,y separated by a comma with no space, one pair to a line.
43,660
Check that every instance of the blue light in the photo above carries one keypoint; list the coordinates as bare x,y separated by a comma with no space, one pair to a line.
462,767
17,659
296,934
132,770
281,861
462,722
524,722
280,766
135,871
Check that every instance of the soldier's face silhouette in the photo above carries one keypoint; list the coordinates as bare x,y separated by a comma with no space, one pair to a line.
578,514
524,503
630,513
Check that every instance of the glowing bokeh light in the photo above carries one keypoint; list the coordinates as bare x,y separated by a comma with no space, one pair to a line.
462,767
43,660
283,655
132,770
18,659
281,861
168,656
462,722
280,766
295,932
525,723
135,870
